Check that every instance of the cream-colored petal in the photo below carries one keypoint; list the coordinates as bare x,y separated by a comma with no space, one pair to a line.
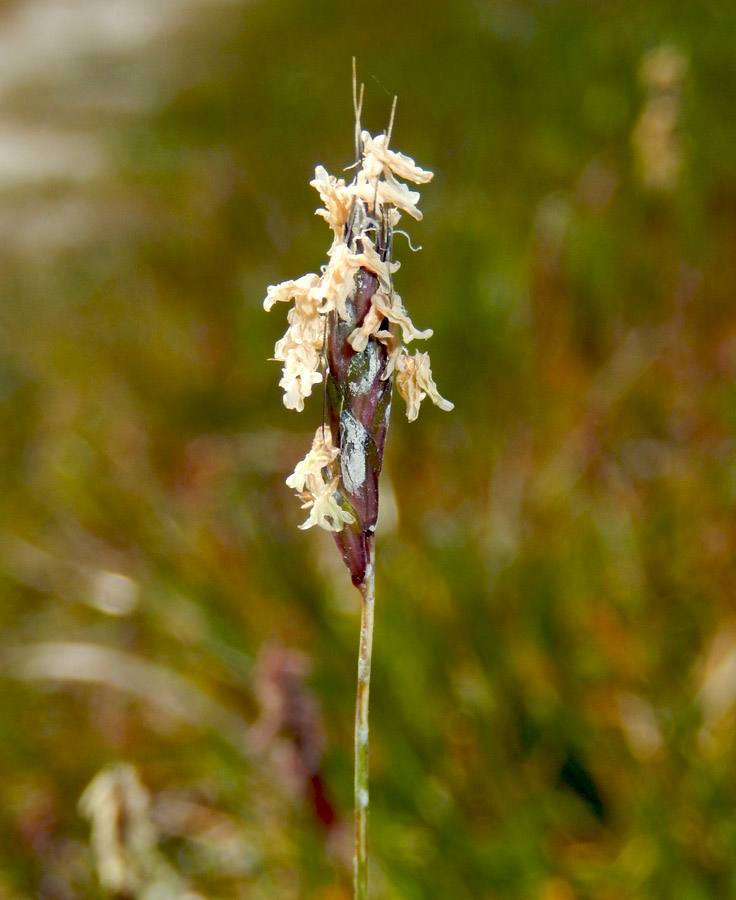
325,511
414,382
320,457
385,307
337,280
378,157
283,346
393,309
307,330
372,261
359,338
389,191
306,327
299,375
390,340
289,290
336,197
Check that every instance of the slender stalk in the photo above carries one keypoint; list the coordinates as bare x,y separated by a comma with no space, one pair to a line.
348,330
368,592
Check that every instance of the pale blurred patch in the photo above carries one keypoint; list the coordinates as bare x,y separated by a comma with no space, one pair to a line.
639,722
125,840
656,137
717,689
37,153
114,593
172,699
107,591
218,840
56,97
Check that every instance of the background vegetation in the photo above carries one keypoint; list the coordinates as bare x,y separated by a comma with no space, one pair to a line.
555,657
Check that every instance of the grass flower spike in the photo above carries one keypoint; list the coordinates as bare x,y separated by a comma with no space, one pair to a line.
349,329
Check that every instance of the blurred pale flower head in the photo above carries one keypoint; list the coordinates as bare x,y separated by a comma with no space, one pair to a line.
663,68
123,837
656,136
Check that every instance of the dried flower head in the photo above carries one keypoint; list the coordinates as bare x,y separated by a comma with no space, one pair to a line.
349,328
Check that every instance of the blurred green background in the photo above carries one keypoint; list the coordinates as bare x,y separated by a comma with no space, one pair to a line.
555,649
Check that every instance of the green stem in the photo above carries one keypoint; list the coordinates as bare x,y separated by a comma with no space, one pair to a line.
368,592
